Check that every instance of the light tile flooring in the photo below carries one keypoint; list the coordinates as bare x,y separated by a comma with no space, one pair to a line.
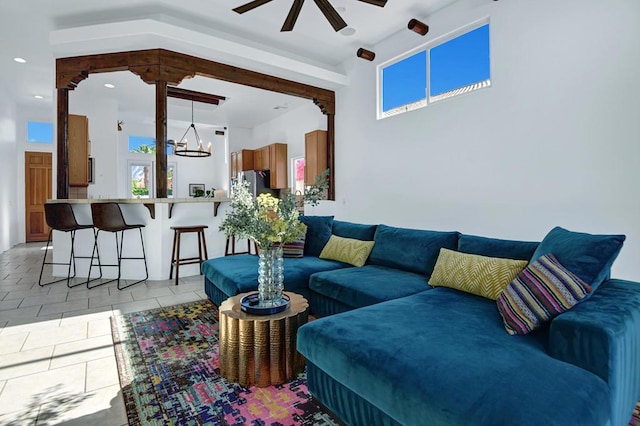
57,363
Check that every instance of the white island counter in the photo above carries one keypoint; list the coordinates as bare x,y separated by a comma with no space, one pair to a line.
158,215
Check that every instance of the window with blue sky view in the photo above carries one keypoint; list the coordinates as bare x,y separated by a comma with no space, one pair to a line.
39,132
404,82
457,65
145,145
460,62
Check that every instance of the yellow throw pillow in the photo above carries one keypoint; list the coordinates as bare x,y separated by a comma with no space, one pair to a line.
347,250
480,275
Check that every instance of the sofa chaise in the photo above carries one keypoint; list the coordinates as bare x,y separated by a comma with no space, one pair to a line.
391,349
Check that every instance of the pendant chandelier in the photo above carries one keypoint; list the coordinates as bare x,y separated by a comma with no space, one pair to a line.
181,148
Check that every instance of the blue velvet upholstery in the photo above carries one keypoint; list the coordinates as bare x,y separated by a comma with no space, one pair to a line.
494,247
364,286
239,274
318,233
601,336
410,249
442,357
354,230
352,409
323,306
588,256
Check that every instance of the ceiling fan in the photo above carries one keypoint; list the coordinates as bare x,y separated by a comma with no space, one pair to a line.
325,7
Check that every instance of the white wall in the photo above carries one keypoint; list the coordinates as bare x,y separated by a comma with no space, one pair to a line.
554,141
9,171
25,114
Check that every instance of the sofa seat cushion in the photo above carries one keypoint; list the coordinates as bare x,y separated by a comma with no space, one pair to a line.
239,274
370,284
442,357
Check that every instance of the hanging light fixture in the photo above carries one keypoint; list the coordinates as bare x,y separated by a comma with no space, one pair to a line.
181,148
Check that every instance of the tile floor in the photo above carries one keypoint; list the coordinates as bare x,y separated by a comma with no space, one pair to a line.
57,364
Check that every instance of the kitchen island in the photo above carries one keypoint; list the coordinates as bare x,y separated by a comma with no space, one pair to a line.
158,215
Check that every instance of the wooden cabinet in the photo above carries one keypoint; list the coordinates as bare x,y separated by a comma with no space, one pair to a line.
315,155
78,150
241,161
261,159
278,165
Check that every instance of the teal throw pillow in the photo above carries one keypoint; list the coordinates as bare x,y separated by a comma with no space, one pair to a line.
318,233
588,256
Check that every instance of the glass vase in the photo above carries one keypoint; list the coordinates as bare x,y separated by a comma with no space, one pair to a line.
270,275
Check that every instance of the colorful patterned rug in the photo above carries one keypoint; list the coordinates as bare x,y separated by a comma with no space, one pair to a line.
168,364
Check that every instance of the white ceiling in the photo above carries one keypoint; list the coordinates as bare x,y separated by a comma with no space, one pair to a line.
41,30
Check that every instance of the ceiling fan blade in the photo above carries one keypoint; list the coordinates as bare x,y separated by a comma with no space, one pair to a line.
250,6
332,16
380,3
292,17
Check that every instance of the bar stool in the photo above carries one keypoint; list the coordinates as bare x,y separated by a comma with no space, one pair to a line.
175,251
108,217
60,217
233,251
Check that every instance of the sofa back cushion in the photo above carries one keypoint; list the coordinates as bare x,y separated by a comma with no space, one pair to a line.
588,256
411,250
493,247
354,230
318,233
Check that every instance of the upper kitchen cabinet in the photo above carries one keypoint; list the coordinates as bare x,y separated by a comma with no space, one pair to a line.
315,155
78,150
241,161
261,159
278,165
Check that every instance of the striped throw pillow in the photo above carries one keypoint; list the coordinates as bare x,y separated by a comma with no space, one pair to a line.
542,291
293,249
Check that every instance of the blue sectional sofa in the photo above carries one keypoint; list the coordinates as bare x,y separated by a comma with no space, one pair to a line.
392,350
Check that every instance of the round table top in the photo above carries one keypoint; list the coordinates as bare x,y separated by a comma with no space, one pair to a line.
231,308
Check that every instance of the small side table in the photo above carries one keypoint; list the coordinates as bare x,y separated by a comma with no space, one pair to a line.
261,349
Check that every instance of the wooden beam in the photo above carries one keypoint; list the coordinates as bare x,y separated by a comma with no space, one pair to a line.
161,139
191,95
331,153
62,189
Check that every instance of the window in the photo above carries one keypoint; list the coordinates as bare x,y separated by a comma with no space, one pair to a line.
172,171
145,145
298,174
460,64
39,132
142,179
453,65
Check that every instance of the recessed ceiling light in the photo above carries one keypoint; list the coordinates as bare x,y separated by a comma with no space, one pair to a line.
109,86
348,31
20,60
38,96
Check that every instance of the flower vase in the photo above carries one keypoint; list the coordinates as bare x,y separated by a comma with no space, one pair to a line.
270,275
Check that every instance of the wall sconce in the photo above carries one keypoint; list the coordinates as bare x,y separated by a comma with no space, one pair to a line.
120,123
418,27
365,54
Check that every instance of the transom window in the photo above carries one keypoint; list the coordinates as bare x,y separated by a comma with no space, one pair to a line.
39,132
453,65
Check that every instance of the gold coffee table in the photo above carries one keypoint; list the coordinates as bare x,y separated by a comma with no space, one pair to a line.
260,349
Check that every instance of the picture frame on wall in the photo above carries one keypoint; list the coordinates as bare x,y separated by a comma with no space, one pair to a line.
196,189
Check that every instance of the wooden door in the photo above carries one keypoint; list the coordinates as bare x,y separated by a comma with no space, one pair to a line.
37,190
